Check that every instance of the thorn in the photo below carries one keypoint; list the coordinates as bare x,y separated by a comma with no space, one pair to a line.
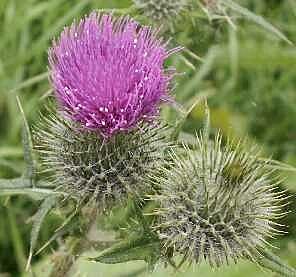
29,261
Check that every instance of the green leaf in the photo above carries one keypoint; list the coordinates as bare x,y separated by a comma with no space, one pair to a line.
194,103
140,245
34,193
181,122
11,184
194,84
39,217
27,146
21,186
71,225
255,18
144,247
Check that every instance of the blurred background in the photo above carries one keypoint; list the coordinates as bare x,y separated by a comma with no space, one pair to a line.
247,73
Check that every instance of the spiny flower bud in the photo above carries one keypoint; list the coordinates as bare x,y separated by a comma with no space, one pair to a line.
108,73
216,203
87,166
165,11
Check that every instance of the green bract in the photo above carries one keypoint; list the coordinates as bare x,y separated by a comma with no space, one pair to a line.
86,166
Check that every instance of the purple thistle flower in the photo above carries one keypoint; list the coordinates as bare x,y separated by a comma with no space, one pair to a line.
108,74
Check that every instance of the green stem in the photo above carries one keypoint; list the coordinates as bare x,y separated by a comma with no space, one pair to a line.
274,263
65,260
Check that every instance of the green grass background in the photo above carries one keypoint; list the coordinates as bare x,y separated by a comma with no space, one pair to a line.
249,75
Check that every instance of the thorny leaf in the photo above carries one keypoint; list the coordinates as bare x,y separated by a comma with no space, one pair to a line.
30,170
255,18
39,217
20,186
11,184
140,245
144,247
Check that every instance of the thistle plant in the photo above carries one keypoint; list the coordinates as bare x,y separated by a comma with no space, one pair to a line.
109,79
217,203
105,146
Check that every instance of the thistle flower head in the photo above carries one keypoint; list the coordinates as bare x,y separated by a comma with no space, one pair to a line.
217,203
108,74
162,10
87,167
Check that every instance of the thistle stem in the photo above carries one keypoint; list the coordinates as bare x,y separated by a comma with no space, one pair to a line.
62,264
274,263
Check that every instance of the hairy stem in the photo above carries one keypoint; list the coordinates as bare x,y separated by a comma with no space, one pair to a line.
64,260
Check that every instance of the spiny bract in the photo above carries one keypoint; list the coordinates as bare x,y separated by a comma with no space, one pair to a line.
87,166
216,203
164,11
